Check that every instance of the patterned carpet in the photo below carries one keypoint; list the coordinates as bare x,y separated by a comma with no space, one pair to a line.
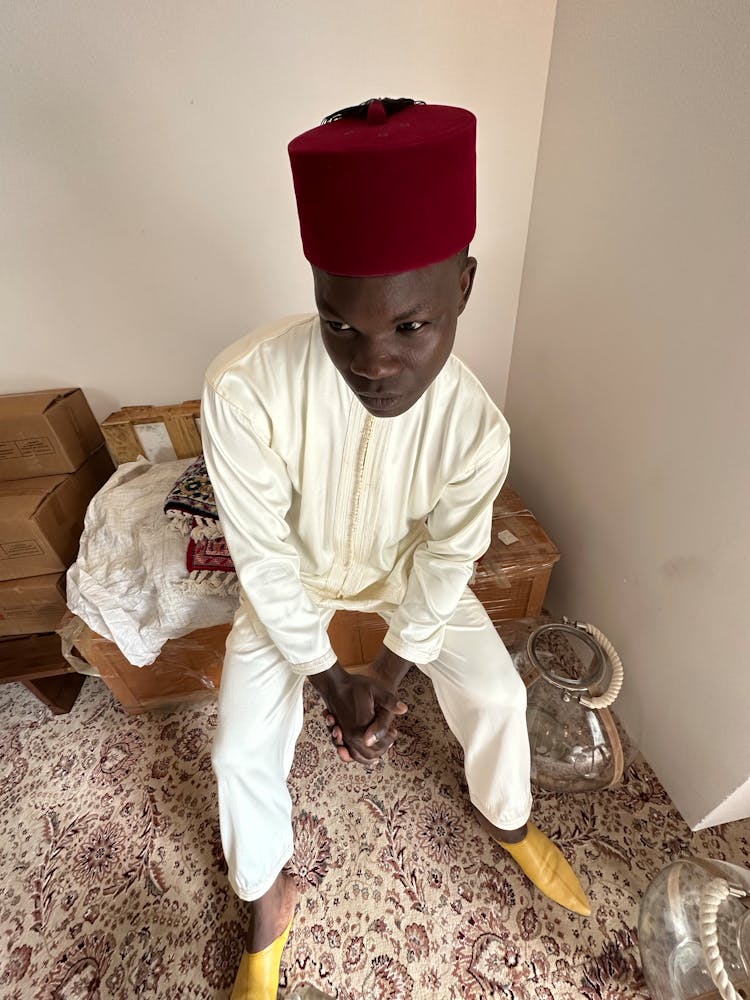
113,879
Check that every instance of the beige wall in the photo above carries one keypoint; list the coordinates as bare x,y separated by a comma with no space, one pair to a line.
147,208
629,391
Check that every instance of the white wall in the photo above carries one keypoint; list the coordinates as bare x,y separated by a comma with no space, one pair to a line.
629,391
147,208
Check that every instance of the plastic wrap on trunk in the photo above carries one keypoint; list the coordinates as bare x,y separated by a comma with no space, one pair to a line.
187,669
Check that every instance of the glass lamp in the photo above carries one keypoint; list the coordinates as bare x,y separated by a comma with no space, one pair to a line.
694,932
573,675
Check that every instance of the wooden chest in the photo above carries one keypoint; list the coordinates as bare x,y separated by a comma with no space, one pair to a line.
511,579
187,669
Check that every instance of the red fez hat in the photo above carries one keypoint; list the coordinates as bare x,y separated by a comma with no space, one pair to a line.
384,192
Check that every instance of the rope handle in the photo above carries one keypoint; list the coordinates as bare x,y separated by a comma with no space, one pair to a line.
615,684
713,895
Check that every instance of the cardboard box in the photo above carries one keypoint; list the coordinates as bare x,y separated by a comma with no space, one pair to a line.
32,604
41,519
46,433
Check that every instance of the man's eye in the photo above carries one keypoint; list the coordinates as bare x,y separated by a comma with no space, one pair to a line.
337,327
412,327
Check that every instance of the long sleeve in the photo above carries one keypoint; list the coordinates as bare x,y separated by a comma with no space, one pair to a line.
253,495
459,530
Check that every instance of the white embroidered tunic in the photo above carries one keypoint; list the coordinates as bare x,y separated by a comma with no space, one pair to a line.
325,505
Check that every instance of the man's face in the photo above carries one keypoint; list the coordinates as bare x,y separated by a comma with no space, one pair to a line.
389,337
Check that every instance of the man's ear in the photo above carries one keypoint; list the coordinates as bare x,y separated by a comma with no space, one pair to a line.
466,282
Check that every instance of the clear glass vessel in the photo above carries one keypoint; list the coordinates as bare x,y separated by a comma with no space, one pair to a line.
694,932
574,747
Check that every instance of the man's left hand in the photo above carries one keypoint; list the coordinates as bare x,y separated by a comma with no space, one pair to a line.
389,669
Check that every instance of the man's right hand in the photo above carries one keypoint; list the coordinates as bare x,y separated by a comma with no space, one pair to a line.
363,711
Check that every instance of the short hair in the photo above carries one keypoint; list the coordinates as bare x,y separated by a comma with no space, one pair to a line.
391,105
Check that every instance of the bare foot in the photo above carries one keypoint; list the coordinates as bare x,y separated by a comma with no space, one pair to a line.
271,913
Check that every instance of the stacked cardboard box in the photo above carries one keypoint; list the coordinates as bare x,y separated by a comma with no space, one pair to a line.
52,461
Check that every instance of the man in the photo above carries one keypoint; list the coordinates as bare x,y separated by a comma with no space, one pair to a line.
355,461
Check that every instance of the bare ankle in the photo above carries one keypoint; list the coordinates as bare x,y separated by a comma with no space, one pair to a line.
500,833
271,913
510,836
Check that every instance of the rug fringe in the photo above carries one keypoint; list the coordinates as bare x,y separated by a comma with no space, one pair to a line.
205,527
217,583
197,528
180,520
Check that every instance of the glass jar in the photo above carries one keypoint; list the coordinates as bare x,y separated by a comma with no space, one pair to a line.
573,675
694,932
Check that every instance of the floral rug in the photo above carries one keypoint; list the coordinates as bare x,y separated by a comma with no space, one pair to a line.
114,882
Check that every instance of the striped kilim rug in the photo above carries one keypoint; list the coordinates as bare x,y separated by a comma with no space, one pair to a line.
114,883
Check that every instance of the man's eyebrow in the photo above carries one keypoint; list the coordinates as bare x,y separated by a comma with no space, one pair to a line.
404,317
323,305
418,308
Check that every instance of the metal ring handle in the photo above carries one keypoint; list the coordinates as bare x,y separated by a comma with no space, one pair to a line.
600,645
572,684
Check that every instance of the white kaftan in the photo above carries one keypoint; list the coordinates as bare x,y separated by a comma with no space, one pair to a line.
325,506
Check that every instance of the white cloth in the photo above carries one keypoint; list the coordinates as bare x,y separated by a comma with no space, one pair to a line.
129,580
324,505
260,716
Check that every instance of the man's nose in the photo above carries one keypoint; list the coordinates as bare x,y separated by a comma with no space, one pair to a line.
375,363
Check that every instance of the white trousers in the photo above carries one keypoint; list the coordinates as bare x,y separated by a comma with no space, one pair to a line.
260,717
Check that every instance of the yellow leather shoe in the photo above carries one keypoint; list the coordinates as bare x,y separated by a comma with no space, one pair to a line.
258,974
543,863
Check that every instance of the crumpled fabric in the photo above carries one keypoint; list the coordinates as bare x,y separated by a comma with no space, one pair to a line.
129,582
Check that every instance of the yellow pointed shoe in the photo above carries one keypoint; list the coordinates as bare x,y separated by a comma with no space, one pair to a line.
258,974
545,865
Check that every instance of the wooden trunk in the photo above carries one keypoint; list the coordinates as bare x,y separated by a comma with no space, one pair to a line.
187,669
510,580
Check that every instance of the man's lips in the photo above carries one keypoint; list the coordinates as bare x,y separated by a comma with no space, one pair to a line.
376,402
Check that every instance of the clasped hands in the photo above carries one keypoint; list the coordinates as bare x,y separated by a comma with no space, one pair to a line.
362,708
